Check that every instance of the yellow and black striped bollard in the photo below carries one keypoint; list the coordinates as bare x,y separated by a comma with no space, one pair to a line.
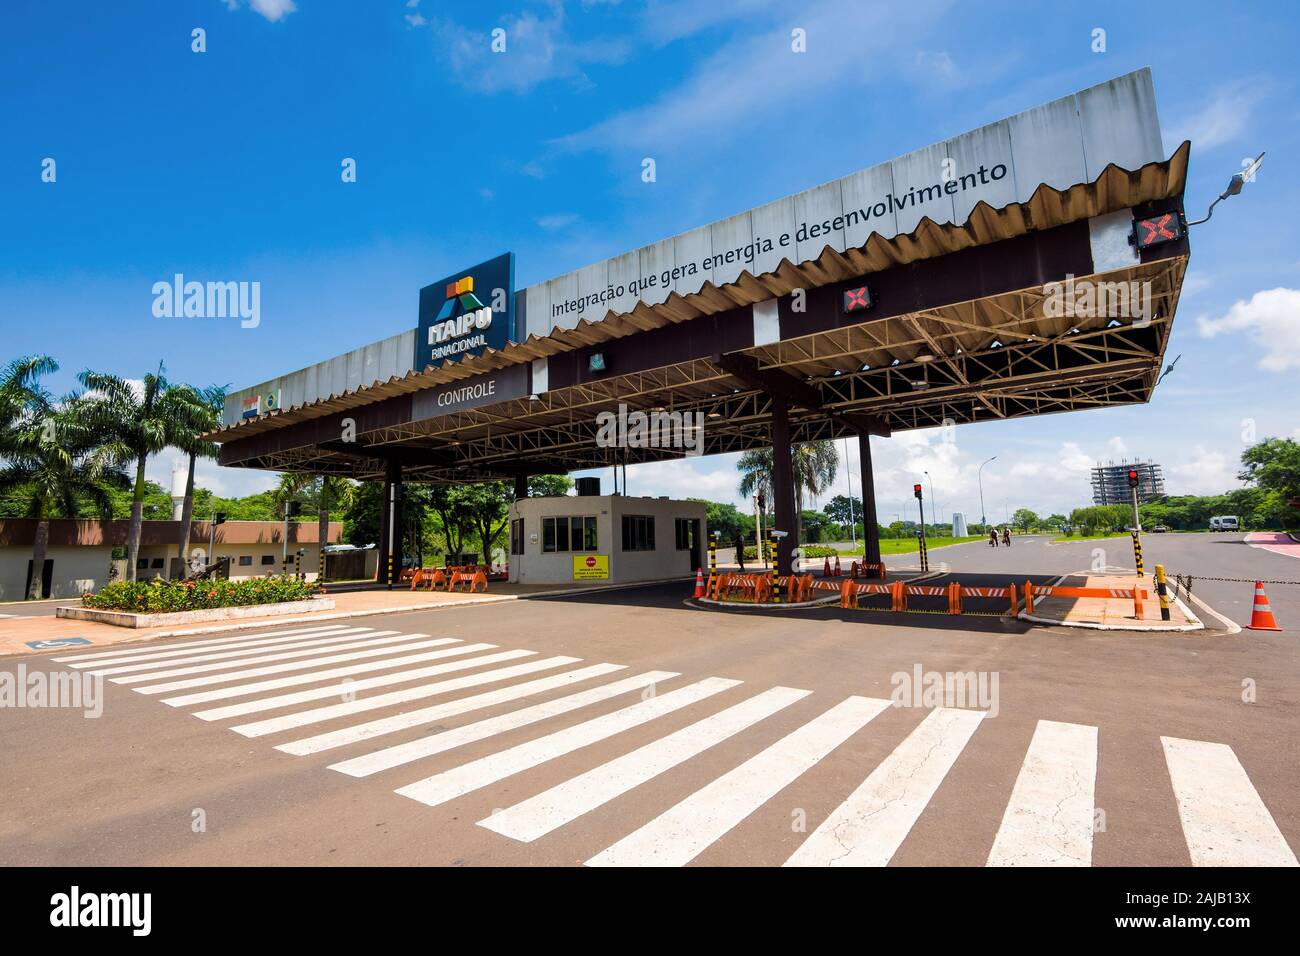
1137,553
1163,591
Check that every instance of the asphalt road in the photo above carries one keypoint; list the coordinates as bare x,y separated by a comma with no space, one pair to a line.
814,773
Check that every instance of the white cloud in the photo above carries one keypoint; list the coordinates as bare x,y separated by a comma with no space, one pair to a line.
1271,318
1204,473
757,76
416,19
557,221
273,10
538,50
1222,119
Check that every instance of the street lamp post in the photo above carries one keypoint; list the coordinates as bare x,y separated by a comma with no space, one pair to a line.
980,478
935,511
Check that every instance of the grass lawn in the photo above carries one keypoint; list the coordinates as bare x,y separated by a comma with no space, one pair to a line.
909,545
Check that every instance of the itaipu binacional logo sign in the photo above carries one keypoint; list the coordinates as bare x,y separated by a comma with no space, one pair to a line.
466,313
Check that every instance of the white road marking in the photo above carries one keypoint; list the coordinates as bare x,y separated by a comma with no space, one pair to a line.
387,725
349,707
403,753
1049,818
441,787
281,654
539,815
1224,820
868,828
242,690
237,658
172,650
298,660
302,717
682,833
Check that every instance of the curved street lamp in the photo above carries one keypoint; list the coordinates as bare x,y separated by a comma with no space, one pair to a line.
980,478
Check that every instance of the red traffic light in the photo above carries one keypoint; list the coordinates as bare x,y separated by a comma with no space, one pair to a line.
1132,478
916,490
857,299
1157,229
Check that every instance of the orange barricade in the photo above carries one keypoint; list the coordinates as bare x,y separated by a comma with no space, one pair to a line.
434,576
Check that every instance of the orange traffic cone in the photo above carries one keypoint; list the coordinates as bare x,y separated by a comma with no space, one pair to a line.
838,572
826,568
1261,615
699,583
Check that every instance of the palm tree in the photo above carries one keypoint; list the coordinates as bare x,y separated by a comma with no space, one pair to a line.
205,412
20,393
813,466
56,462
332,492
141,421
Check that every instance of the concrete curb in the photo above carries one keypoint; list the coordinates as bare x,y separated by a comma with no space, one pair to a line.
132,619
253,624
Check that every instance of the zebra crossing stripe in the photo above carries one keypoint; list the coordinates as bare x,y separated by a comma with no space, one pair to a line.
1049,818
388,725
868,828
278,683
175,650
299,718
348,708
390,757
281,654
539,815
1225,823
441,787
299,660
682,833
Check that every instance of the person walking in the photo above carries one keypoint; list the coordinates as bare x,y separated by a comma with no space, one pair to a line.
739,542
1006,537
993,537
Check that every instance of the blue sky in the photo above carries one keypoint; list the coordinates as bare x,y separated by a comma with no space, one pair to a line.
225,165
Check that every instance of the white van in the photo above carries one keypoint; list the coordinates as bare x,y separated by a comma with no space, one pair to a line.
1225,523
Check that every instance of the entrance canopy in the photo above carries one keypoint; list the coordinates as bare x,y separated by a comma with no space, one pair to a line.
982,309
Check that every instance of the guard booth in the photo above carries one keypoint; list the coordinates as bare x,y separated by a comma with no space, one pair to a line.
610,539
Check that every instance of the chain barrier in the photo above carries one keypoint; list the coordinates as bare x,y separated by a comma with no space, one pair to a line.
1184,582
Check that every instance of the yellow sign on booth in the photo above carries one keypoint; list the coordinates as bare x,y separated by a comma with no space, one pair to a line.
591,567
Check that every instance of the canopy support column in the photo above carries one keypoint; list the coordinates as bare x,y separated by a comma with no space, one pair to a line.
783,485
391,527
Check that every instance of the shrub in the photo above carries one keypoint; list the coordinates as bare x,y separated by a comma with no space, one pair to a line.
158,596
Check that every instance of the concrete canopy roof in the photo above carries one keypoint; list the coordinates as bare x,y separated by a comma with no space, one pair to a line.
962,333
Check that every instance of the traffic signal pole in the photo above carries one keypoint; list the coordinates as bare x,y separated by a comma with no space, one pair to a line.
924,554
1137,521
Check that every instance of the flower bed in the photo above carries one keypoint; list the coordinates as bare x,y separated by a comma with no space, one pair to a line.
161,597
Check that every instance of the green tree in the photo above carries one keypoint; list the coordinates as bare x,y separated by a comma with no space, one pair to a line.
813,466
1273,466
55,462
844,510
328,492
205,410
1025,520
549,486
487,505
139,421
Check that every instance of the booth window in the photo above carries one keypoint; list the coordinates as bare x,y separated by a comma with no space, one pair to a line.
569,534
268,559
638,533
245,560
517,536
684,528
